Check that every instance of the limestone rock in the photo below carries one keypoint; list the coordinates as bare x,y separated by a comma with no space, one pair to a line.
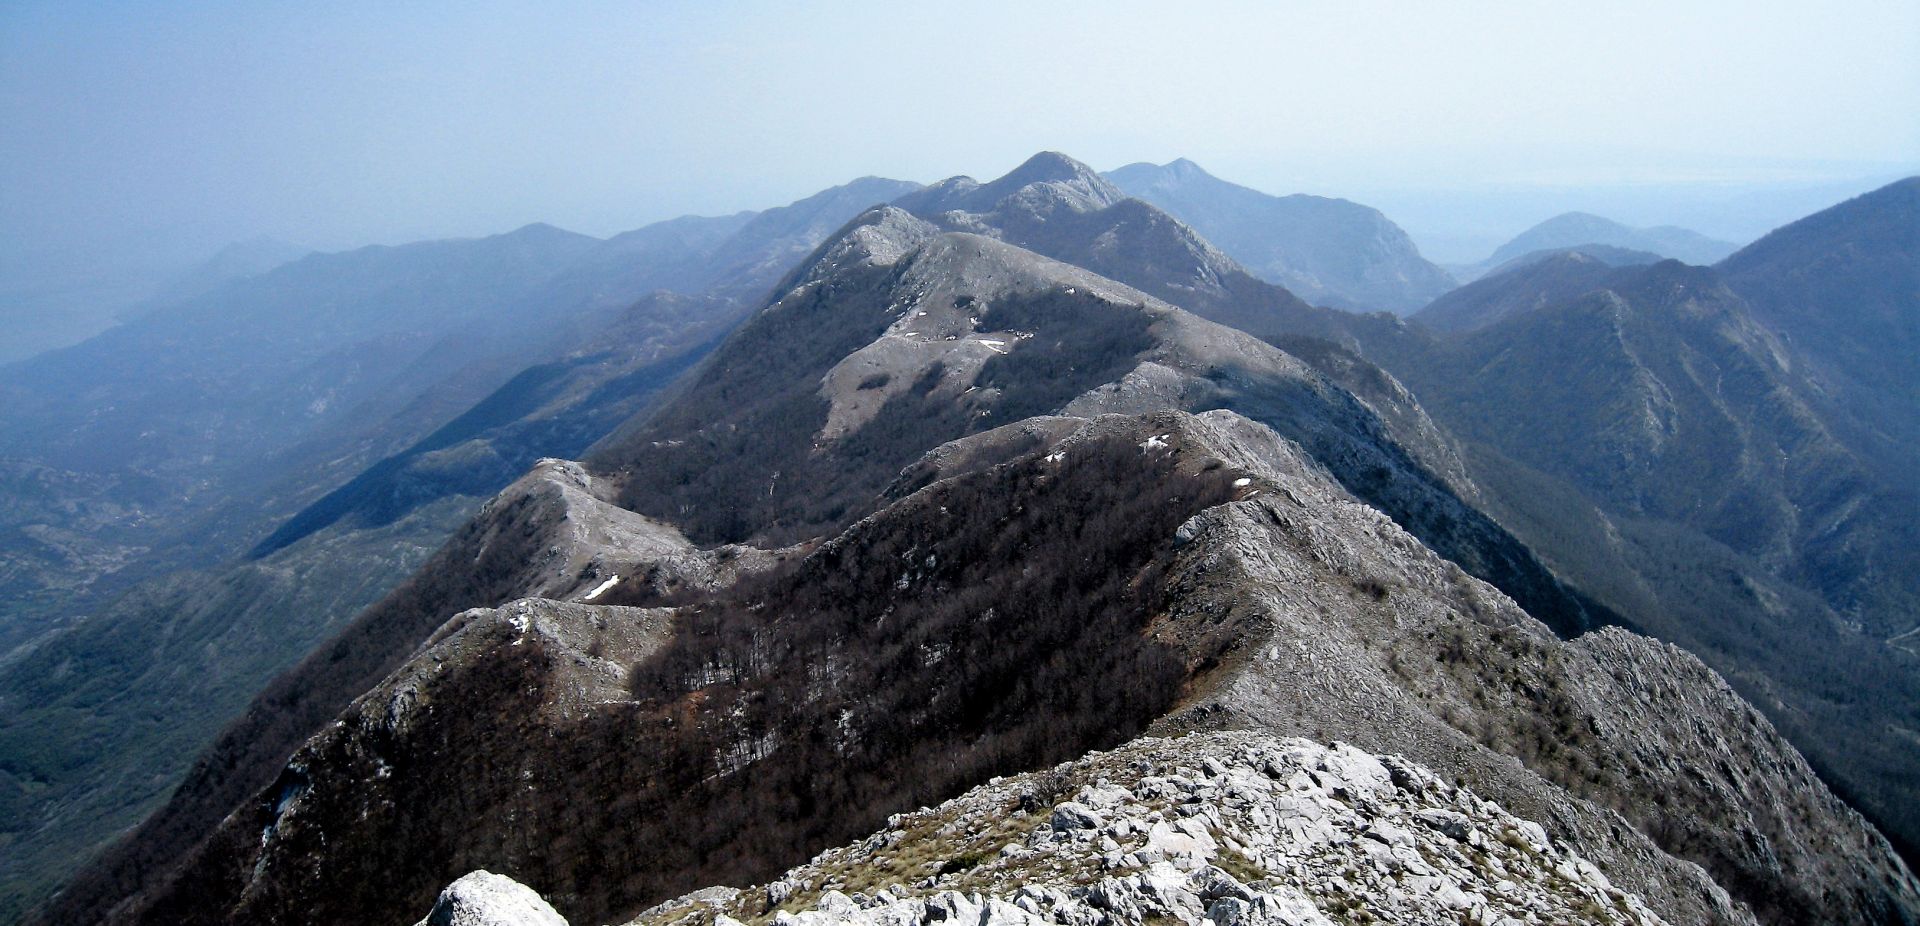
1232,829
483,898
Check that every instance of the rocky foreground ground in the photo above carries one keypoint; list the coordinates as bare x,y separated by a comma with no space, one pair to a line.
1234,829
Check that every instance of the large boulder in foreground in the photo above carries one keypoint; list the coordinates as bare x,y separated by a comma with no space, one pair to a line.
486,899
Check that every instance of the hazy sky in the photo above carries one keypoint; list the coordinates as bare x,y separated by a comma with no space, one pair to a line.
170,128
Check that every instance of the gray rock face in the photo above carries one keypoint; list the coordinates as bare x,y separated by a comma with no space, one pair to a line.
592,544
1228,829
486,899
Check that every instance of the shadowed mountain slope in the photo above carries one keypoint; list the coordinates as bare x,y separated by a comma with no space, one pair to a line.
1664,450
1842,287
1659,392
1526,284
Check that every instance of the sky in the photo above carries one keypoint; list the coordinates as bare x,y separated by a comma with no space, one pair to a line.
149,134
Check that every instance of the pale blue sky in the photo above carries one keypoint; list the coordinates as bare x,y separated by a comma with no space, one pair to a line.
172,128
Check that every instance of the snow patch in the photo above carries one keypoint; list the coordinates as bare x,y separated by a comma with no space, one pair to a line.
601,589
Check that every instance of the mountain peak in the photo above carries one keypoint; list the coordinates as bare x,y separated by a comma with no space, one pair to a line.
1577,217
542,231
1048,176
1175,173
1575,229
1048,167
1184,169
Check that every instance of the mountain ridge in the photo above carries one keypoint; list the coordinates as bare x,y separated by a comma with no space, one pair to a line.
1271,520
952,317
1841,285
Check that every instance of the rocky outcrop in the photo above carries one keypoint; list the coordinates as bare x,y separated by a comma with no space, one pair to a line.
1047,177
1229,829
486,899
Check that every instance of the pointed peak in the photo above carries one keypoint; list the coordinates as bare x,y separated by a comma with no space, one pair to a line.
541,231
1046,177
1048,167
1579,223
1175,175
1183,168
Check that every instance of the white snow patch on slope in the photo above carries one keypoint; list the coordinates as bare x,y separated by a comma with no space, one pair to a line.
601,589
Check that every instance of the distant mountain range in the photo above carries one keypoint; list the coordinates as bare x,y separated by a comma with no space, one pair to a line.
236,261
46,308
1327,251
1575,229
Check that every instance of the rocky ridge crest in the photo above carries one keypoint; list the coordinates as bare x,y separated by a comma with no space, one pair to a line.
1227,829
